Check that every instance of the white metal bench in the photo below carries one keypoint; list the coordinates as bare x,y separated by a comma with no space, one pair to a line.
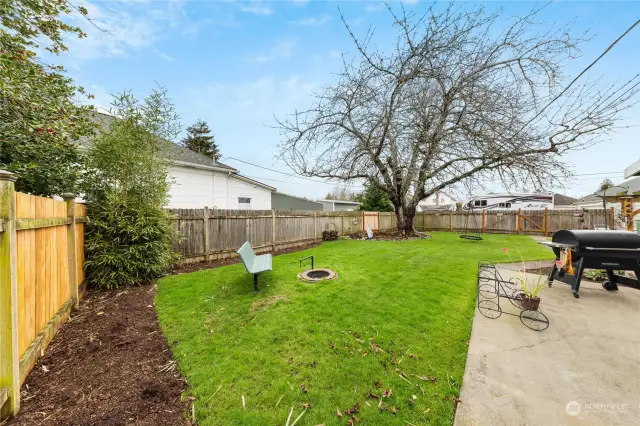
254,264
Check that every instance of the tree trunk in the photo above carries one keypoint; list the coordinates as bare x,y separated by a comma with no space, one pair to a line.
405,217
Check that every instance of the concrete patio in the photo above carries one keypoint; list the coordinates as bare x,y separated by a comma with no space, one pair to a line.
584,369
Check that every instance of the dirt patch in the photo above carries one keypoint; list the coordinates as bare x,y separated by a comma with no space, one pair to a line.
193,267
108,365
263,304
391,235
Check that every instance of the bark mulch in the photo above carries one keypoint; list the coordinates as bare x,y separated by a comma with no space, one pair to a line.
108,365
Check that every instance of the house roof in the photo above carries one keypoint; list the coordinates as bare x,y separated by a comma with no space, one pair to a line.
254,182
629,186
562,200
169,150
632,170
340,202
591,198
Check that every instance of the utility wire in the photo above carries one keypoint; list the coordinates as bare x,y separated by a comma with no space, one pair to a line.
278,171
578,76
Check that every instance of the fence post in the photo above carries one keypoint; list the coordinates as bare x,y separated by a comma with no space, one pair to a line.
9,357
612,219
205,217
484,221
544,221
451,221
273,229
72,253
315,226
518,221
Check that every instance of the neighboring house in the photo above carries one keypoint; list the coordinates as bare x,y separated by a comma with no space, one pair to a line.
197,181
280,201
632,170
339,205
590,201
437,201
507,201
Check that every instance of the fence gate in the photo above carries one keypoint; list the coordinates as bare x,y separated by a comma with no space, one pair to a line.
532,221
370,219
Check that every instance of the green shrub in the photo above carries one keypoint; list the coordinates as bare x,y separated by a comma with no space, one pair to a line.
127,244
129,233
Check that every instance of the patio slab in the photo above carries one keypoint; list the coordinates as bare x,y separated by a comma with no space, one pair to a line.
584,369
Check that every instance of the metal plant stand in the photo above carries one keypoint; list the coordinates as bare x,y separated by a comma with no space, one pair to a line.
492,287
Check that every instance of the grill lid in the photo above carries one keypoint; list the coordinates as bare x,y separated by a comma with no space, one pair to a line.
598,239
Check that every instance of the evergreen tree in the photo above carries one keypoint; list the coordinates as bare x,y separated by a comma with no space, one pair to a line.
374,199
199,140
606,184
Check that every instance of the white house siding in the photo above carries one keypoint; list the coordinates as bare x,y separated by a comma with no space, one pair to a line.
190,188
221,190
260,197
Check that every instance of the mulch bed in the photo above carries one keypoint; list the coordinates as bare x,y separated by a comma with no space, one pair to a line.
192,267
588,275
392,235
108,365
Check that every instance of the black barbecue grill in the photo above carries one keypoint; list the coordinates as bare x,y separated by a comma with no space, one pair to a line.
608,250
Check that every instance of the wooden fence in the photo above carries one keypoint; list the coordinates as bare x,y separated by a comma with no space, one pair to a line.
204,234
41,274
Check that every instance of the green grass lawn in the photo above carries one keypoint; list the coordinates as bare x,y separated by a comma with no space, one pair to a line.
397,308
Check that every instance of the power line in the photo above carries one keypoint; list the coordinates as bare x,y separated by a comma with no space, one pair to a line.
282,173
578,76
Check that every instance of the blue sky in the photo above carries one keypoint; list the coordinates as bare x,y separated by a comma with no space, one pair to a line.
237,64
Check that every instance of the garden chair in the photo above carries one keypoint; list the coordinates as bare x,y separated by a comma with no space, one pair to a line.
254,264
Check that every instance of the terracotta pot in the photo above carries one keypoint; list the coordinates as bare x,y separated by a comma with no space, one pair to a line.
528,303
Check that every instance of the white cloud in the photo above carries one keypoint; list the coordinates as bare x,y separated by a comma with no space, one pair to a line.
313,21
374,6
164,56
283,49
121,28
256,8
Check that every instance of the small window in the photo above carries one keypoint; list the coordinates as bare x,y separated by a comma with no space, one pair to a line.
244,203
502,205
476,203
483,203
508,205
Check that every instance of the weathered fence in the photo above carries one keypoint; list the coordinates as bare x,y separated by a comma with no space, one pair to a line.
205,234
41,273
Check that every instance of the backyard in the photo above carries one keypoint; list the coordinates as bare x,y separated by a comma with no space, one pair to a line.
384,343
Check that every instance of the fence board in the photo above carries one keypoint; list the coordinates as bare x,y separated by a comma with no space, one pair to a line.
42,272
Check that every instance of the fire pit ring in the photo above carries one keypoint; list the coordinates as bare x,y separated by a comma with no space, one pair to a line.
315,275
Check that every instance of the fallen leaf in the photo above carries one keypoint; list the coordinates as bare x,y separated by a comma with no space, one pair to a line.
373,396
303,388
306,405
423,378
45,368
331,345
378,383
313,364
387,393
99,313
394,410
364,354
338,413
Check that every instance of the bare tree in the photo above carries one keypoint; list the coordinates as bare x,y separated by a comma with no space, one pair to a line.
454,101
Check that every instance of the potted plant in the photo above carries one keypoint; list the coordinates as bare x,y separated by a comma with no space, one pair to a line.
529,299
530,287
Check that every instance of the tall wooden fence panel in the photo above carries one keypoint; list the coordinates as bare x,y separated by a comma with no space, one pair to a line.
41,270
226,230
